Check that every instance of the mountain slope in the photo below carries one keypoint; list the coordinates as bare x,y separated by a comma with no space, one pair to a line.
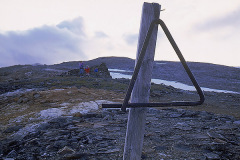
208,75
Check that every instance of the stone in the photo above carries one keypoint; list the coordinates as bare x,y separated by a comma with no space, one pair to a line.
163,155
197,136
182,147
219,141
36,95
77,114
66,150
102,145
60,144
190,114
13,129
227,127
43,126
89,140
12,154
23,100
183,126
109,151
218,146
236,122
160,148
99,125
93,137
81,156
175,137
212,156
215,135
174,115
34,142
108,118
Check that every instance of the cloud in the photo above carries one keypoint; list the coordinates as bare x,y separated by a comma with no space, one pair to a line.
100,34
75,25
231,19
130,39
46,44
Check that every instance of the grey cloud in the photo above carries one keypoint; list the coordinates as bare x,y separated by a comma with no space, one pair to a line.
46,45
130,39
75,25
100,34
230,20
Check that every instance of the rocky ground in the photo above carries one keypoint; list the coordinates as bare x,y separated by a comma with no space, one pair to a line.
170,134
47,113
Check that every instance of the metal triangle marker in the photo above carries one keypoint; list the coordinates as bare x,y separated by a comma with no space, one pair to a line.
126,103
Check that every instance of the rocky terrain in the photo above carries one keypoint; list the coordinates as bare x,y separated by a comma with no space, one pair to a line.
50,112
170,134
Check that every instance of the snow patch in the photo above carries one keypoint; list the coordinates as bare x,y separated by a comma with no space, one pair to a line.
119,75
54,70
160,63
118,70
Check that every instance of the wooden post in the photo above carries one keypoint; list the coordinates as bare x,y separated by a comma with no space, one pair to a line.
141,90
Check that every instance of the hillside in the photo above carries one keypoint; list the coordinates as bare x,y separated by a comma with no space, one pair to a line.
50,112
208,75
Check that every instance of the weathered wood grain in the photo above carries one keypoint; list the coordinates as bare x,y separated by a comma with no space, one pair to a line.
141,90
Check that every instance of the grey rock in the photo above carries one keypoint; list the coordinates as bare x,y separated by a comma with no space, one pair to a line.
34,142
212,156
197,136
175,137
37,95
43,126
12,154
89,140
170,134
66,150
79,155
174,115
109,151
182,147
60,144
13,129
217,147
227,127
102,144
215,135
183,126
236,122
190,114
160,148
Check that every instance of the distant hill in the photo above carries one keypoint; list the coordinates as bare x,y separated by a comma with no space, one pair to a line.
208,75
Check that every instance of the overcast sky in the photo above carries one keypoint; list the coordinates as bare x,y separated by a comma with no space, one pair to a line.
54,31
